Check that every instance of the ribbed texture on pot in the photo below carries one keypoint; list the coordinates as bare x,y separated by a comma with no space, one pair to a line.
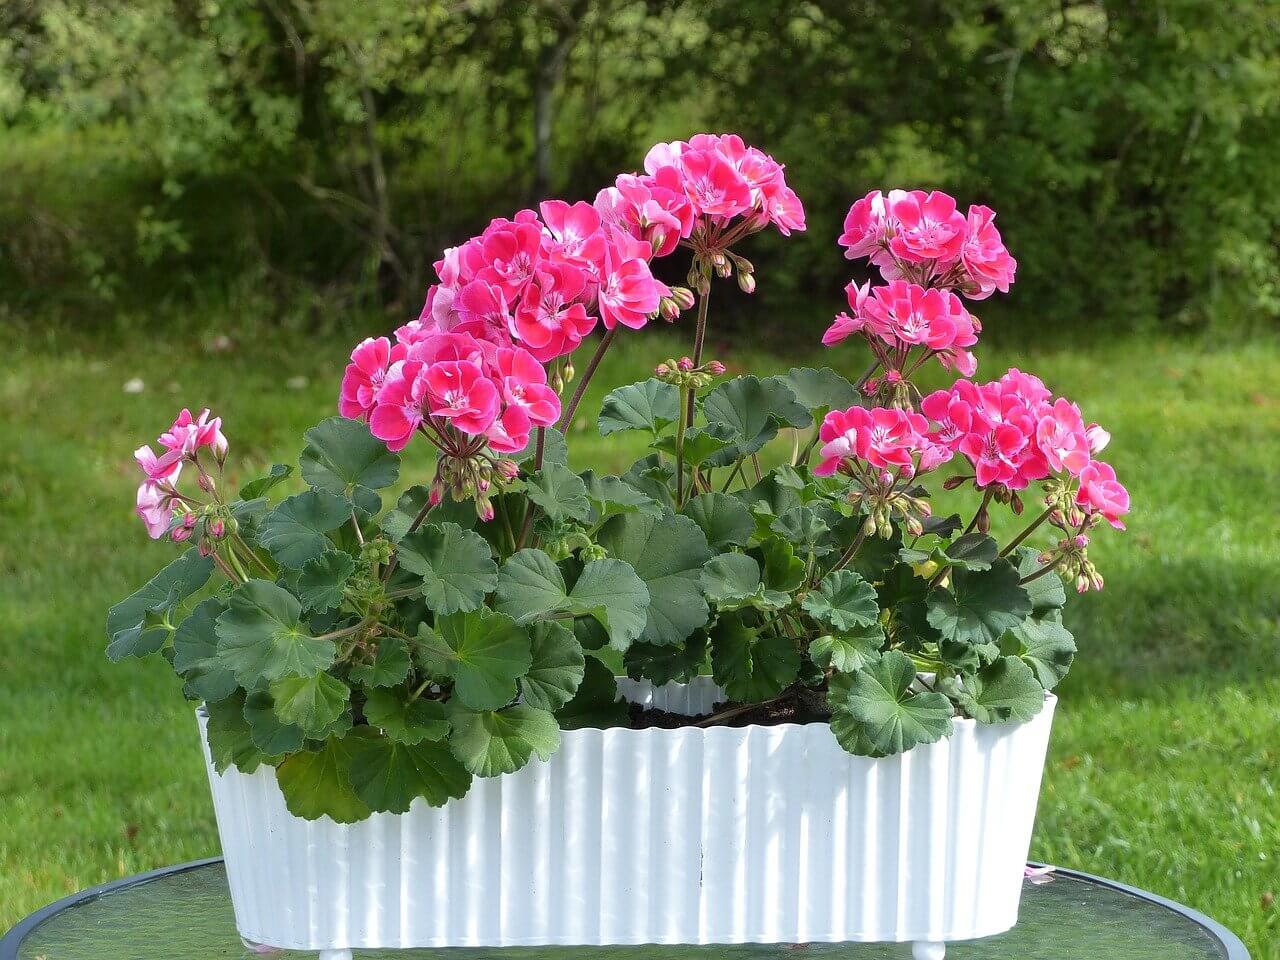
717,835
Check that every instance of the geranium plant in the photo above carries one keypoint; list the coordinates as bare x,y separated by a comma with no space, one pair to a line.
778,534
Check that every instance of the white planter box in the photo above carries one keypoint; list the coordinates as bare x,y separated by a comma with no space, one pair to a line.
758,834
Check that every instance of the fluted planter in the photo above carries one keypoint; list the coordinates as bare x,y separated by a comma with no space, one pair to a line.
689,836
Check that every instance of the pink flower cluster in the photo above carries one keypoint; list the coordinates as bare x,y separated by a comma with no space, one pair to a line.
1013,432
158,496
541,282
927,252
712,178
894,442
437,382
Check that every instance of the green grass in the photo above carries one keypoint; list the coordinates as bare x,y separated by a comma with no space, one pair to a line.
1166,753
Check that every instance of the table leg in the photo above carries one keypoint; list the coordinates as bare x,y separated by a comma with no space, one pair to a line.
928,950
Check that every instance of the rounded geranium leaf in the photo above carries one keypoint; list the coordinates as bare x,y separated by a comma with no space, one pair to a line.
613,593
389,665
751,665
651,405
483,652
297,529
730,579
314,704
881,706
1005,690
973,551
195,653
389,775
559,492
343,457
980,605
554,448
456,566
821,389
699,444
530,585
1046,646
596,703
135,624
843,601
322,579
230,737
261,486
660,665
557,668
271,733
317,783
849,650
611,496
1045,592
782,569
667,553
806,528
261,636
724,519
753,409
490,743
405,720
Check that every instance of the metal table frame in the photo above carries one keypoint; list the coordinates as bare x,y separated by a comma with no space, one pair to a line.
12,940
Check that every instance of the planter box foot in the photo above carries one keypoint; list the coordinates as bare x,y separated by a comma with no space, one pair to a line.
926,950
335,955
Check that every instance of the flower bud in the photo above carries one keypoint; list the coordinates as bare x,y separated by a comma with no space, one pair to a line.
557,382
179,534
217,528
914,526
1081,541
436,495
507,469
702,285
484,509
747,282
718,260
661,370
189,519
1016,503
204,548
715,368
682,297
869,526
205,483
668,309
984,522
685,364
567,371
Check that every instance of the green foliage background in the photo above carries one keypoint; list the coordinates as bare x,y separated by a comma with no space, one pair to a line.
324,151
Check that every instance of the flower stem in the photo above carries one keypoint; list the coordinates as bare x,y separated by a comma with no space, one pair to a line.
699,341
587,374
1047,568
982,508
686,395
1014,543
849,554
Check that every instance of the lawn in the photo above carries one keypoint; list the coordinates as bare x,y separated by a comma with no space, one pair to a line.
1165,761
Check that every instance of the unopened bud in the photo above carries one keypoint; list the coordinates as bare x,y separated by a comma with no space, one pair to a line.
217,529
984,522
1016,503
668,309
662,370
205,549
684,364
568,372
484,509
718,259
436,495
747,282
557,382
682,297
914,526
952,482
868,526
507,469
702,284
205,483
1057,518
715,368
724,270
1081,541
179,534
189,519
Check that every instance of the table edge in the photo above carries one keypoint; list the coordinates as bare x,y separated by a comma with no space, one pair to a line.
12,940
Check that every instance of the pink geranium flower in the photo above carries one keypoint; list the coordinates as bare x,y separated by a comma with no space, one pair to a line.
908,313
928,227
659,215
482,312
189,434
1061,437
552,317
154,506
884,437
574,229
511,251
364,376
459,391
523,383
868,226
712,185
165,467
987,263
510,432
401,404
1100,493
628,293
847,324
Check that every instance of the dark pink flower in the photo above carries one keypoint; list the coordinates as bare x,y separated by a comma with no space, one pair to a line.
523,383
165,467
886,438
482,312
574,229
510,432
847,324
511,251
1100,493
712,185
189,434
552,317
463,394
928,227
364,375
987,263
868,227
401,404
628,293
660,215
907,313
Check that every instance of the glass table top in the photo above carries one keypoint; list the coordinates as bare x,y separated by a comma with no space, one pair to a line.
186,914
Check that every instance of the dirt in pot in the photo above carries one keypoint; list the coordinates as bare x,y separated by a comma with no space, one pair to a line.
797,706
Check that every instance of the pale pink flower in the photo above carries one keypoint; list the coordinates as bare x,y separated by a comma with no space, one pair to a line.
1025,387
928,227
1098,438
189,434
1100,493
1061,437
165,467
460,392
987,263
154,506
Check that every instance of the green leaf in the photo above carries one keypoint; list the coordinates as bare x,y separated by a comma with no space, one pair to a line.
596,703
134,624
611,591
271,734
749,665
821,390
879,707
753,409
490,743
667,553
456,566
296,530
773,495
782,569
261,486
905,595
973,551
483,652
389,775
554,448
660,665
557,669
317,783
844,601
313,703
700,443
1044,643
229,736
1047,592
730,579
848,651
343,457
322,579
559,492
406,721
390,665
611,496
724,519
806,528
654,479
260,636
1005,690
195,653
530,585
651,405
980,604
397,520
